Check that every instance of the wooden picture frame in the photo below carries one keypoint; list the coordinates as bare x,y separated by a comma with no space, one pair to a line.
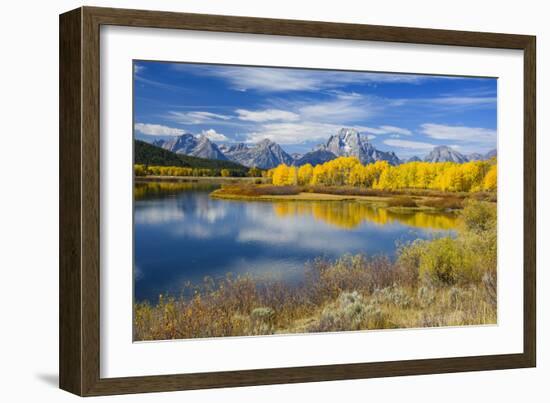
79,346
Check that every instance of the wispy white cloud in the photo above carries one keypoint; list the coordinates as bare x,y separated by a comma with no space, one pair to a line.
344,94
213,135
384,129
477,91
408,144
342,111
464,101
157,84
196,117
293,132
396,130
279,79
304,121
157,130
446,103
266,115
459,133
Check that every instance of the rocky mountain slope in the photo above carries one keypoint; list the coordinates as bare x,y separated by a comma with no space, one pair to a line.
315,157
350,143
265,154
445,154
148,154
188,144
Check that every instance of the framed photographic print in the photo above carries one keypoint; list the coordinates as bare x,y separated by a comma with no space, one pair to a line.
249,201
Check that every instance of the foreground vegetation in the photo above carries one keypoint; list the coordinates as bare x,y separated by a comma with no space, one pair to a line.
446,281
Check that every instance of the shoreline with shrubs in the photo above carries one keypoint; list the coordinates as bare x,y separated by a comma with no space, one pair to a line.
444,281
409,199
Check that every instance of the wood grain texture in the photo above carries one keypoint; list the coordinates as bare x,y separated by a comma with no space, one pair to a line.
80,200
70,275
90,202
530,202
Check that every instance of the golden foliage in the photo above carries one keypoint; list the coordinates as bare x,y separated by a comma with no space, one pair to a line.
490,181
352,214
472,176
157,170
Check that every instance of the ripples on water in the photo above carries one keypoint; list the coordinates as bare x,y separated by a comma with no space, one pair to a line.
182,235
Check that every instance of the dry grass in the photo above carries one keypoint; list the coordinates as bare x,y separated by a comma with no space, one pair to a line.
402,201
441,282
352,293
409,198
347,191
257,190
446,203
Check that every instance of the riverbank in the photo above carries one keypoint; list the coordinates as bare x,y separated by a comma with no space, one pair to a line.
443,281
201,179
410,199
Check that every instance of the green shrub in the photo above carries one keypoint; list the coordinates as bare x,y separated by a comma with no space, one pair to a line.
441,261
479,216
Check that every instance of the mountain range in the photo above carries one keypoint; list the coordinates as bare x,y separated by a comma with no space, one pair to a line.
149,154
188,144
445,154
267,154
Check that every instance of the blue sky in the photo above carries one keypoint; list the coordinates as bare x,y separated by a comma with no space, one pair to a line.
300,108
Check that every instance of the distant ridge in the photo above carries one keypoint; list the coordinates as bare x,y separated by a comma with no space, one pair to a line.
315,157
475,157
267,154
148,154
188,144
445,154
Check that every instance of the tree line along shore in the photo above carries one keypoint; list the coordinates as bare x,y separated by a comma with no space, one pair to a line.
474,176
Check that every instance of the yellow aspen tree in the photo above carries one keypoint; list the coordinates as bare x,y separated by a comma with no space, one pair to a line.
305,173
490,180
280,175
292,178
319,175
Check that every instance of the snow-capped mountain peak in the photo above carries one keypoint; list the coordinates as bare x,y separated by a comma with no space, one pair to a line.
195,146
445,154
350,143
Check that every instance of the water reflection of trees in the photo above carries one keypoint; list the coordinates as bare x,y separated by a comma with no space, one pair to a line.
341,214
144,190
351,214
